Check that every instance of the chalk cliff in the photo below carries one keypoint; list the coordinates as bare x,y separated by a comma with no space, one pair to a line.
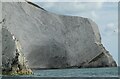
50,40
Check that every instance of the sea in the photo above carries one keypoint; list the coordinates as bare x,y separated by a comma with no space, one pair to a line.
81,73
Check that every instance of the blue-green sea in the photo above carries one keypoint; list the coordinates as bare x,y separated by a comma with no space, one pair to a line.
94,72
82,72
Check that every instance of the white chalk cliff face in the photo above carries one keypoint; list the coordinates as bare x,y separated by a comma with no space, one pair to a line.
49,40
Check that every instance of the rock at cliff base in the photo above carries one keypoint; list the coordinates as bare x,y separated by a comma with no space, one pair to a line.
13,62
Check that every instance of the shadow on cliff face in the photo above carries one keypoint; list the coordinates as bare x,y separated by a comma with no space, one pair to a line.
50,54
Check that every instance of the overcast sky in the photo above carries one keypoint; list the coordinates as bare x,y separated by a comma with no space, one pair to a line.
105,14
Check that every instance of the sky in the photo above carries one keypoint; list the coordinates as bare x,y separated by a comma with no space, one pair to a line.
105,14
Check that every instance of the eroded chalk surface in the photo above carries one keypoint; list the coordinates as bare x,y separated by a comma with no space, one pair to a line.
50,40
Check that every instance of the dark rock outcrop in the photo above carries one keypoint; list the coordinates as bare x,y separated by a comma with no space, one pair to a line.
55,41
13,60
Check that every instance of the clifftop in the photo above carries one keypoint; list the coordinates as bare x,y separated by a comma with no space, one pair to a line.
35,5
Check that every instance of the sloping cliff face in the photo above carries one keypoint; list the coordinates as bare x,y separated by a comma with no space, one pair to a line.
49,40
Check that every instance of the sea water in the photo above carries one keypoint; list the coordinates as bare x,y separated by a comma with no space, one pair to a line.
85,72
81,72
